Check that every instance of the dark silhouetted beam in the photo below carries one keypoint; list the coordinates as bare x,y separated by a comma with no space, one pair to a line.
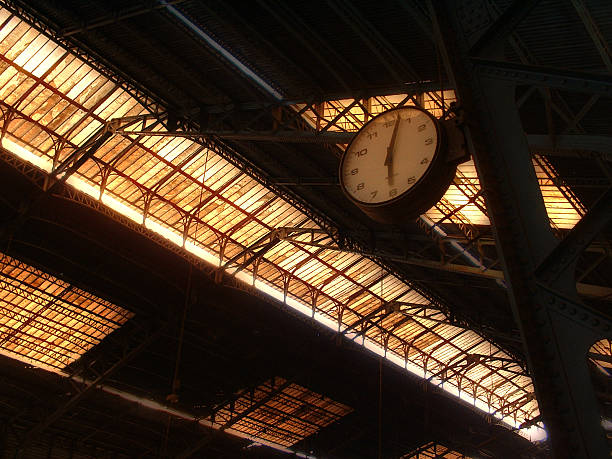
568,80
502,27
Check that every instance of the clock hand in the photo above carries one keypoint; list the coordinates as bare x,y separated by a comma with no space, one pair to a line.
390,150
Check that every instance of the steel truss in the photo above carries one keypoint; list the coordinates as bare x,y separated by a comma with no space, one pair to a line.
21,10
318,238
84,386
321,239
557,328
178,123
280,121
412,312
149,123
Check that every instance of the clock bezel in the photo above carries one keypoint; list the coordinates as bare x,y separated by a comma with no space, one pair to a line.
401,196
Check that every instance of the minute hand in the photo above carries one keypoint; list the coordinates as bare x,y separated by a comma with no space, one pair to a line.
391,147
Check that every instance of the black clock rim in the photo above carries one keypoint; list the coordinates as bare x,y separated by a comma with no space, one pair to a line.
369,205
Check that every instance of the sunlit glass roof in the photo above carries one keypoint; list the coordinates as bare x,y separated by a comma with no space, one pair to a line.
434,451
280,412
51,102
48,322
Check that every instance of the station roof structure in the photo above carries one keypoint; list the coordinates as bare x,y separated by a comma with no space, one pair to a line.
177,252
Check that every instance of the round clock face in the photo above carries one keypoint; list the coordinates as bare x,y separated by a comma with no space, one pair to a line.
389,155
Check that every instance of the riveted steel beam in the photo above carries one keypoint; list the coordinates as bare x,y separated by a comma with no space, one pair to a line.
557,329
59,412
573,145
562,260
568,80
598,39
503,26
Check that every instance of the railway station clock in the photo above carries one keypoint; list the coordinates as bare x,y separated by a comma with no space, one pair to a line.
399,164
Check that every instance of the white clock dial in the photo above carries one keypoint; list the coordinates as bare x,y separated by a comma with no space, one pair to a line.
389,155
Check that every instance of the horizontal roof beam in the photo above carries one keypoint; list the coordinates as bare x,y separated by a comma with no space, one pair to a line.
568,80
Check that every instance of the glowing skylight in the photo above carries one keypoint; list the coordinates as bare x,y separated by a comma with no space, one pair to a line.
47,322
280,412
434,451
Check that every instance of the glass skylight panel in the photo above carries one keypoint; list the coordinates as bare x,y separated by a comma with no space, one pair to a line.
280,412
47,322
191,196
434,451
601,355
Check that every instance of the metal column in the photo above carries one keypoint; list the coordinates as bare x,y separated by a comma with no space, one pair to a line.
556,327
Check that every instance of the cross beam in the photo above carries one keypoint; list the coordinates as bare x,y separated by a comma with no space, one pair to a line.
38,429
557,329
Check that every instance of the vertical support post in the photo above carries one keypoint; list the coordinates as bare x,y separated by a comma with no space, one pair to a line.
556,340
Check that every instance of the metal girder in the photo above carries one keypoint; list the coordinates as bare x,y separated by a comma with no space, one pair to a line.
570,145
467,361
321,239
280,121
557,329
273,393
117,16
562,260
575,145
306,181
257,136
359,93
80,156
38,429
190,451
518,46
59,175
249,254
568,80
35,315
364,319
593,30
497,32
25,10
